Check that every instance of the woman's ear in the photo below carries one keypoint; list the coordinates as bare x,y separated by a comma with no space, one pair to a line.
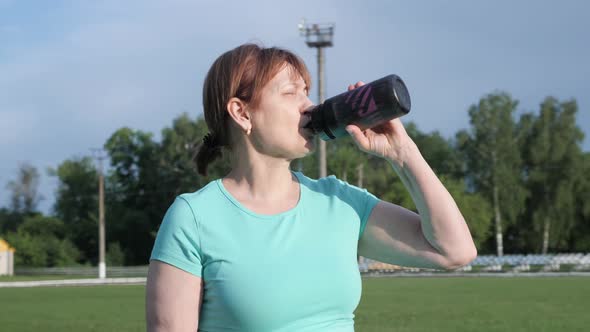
238,111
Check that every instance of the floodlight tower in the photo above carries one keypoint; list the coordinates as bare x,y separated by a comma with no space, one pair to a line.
319,35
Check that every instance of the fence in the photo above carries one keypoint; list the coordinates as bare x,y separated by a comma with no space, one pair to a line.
85,271
576,262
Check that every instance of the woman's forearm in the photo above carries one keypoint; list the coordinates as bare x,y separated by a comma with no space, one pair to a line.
442,223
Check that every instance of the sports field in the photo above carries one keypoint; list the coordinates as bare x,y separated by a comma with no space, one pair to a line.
388,304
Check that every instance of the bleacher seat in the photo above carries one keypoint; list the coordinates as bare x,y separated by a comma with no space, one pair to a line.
517,262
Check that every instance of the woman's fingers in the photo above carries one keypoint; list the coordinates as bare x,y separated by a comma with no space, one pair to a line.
356,85
358,136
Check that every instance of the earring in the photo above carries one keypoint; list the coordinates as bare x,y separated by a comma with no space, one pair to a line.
248,131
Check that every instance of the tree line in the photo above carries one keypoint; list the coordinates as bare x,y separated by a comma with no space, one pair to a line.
521,181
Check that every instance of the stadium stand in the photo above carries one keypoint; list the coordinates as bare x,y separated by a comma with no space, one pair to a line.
506,263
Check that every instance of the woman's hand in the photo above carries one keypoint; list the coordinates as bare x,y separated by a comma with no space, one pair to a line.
388,140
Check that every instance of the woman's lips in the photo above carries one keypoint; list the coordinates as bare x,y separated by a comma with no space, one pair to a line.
307,132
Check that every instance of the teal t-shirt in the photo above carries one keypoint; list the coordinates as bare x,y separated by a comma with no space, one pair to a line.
293,271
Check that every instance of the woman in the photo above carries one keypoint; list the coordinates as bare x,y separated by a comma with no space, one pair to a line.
268,249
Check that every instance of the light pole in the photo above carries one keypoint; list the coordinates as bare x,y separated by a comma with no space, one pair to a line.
102,268
319,35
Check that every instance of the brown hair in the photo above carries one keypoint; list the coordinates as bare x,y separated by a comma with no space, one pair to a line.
241,73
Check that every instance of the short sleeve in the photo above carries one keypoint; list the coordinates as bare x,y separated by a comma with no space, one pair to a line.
177,242
361,200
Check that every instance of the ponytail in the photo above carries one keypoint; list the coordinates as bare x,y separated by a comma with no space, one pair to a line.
209,150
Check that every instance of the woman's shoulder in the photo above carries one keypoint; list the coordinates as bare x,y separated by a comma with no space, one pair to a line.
332,188
328,184
201,196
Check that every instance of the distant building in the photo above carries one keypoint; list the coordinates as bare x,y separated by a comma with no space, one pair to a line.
6,258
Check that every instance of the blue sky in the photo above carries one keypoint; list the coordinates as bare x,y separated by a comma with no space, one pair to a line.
72,72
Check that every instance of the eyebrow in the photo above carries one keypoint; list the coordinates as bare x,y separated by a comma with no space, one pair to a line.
296,84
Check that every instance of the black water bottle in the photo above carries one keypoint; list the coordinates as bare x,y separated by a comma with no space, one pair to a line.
367,106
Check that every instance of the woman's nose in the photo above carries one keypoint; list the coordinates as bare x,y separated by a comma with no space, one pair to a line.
307,104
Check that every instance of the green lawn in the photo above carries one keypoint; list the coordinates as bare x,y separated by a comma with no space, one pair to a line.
475,304
388,304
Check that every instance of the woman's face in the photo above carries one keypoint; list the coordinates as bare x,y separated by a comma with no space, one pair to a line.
279,117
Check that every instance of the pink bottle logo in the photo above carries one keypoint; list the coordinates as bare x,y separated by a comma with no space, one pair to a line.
367,103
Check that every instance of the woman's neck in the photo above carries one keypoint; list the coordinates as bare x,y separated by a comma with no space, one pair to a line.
262,180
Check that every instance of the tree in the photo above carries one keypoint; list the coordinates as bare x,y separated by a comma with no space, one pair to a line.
383,182
345,160
493,159
553,157
9,220
440,153
178,151
134,194
39,242
43,226
76,203
580,234
145,178
474,207
115,255
24,190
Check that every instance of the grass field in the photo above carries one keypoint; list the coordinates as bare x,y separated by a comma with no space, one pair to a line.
388,304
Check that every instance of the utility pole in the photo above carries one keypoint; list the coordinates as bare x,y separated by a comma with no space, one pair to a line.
102,268
360,169
319,36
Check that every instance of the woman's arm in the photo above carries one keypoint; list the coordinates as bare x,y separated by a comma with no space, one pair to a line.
173,299
436,238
